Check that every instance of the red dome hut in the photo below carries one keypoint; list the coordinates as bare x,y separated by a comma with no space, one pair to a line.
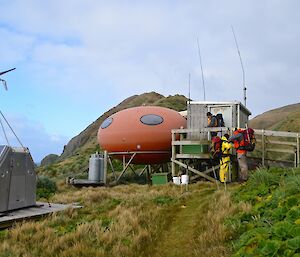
144,130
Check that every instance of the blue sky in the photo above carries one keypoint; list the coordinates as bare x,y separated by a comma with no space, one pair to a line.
77,59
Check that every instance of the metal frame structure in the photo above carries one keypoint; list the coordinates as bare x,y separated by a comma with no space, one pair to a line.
180,138
286,144
128,164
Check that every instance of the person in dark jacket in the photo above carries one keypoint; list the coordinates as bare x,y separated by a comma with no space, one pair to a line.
212,122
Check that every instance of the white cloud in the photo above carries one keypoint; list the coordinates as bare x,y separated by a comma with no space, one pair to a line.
83,57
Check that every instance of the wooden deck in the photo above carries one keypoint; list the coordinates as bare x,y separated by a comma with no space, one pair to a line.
41,209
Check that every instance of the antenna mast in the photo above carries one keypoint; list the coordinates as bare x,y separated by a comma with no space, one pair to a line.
189,102
189,87
2,80
199,53
242,66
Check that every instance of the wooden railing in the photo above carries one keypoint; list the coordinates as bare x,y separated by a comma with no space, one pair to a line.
270,145
277,146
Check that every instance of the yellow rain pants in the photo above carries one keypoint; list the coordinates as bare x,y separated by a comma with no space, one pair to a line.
225,161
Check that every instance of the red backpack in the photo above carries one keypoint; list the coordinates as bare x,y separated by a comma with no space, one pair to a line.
249,140
216,148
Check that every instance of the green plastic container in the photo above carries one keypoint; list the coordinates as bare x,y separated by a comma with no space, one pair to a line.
195,149
160,178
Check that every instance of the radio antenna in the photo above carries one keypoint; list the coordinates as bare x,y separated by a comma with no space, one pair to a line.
189,102
2,80
242,66
189,87
199,53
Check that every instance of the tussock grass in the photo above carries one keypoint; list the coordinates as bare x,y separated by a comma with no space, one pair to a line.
263,176
119,221
213,235
133,220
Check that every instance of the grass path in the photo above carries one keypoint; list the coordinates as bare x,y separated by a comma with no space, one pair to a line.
179,238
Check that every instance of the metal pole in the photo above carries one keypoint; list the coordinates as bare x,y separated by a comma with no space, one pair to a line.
112,167
149,174
242,66
105,167
126,166
124,161
143,170
173,154
200,60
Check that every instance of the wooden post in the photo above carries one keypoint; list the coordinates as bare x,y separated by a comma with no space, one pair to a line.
180,138
298,151
263,148
173,154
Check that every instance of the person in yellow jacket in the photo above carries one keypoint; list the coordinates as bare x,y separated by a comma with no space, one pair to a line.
225,159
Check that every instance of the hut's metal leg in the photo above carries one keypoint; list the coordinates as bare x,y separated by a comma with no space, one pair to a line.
112,167
126,166
143,170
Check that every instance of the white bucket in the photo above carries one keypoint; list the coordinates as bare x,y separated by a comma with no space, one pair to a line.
184,179
176,180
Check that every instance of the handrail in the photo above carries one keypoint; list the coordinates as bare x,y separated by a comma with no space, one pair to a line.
281,145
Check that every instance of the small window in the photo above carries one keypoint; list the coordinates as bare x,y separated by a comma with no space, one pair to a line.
106,123
151,119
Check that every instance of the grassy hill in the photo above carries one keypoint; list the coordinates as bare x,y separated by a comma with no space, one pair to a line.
76,153
285,118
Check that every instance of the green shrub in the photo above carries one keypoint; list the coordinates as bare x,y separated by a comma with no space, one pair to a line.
272,227
293,243
292,184
45,187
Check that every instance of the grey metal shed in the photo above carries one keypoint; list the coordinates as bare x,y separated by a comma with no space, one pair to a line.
17,178
235,114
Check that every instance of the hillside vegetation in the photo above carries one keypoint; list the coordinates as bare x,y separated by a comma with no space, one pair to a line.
271,227
74,158
286,118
